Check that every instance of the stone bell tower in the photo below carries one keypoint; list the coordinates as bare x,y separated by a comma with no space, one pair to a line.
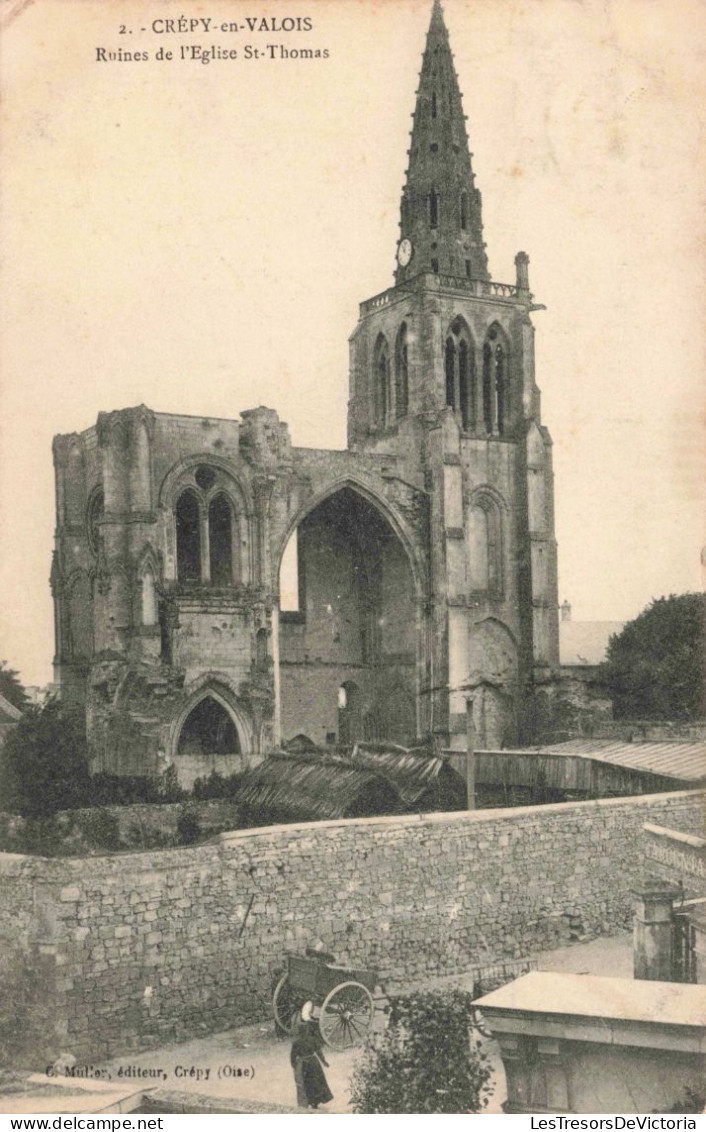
442,388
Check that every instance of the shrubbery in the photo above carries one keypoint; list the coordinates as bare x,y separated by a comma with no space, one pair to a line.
44,776
188,826
45,762
217,785
425,1062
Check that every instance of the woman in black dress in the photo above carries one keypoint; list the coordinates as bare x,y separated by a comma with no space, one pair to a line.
307,1058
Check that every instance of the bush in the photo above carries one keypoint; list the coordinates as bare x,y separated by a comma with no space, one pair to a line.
217,785
188,826
424,1062
101,829
45,763
131,790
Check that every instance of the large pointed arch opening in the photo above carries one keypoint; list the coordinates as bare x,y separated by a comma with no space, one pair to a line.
349,620
208,737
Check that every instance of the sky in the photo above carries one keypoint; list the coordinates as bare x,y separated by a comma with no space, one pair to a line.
197,237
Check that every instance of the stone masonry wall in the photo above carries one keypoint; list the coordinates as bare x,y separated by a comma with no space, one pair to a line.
147,948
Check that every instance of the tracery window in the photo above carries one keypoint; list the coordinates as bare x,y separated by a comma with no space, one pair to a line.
208,529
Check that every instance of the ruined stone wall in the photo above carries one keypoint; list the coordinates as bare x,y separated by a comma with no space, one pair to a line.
149,948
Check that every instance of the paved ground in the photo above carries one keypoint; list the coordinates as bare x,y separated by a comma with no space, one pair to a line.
251,1064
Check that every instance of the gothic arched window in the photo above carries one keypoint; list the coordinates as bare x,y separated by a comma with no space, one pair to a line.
188,538
382,383
220,541
459,359
495,382
401,373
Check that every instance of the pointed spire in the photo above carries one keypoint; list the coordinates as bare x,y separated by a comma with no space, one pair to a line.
441,207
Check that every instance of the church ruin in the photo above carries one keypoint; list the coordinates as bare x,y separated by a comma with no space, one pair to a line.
419,563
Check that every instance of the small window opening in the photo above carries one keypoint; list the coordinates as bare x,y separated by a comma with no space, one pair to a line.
433,104
96,510
435,266
261,648
205,478
401,373
450,361
434,210
464,210
383,389
468,268
463,383
149,599
165,639
500,386
487,388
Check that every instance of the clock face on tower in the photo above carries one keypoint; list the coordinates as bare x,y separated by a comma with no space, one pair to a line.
404,252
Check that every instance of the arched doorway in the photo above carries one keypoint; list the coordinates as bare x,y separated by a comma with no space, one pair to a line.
208,741
348,601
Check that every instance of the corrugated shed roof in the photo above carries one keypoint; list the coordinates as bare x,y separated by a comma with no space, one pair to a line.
372,778
411,771
314,787
586,642
684,761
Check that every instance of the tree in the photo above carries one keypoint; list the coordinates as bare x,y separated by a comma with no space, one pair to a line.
44,761
11,686
425,1061
654,668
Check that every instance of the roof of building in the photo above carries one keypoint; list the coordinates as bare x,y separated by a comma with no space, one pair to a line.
683,761
312,787
586,642
323,786
594,996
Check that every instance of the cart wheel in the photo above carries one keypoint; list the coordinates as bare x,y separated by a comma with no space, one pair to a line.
284,1006
346,1015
